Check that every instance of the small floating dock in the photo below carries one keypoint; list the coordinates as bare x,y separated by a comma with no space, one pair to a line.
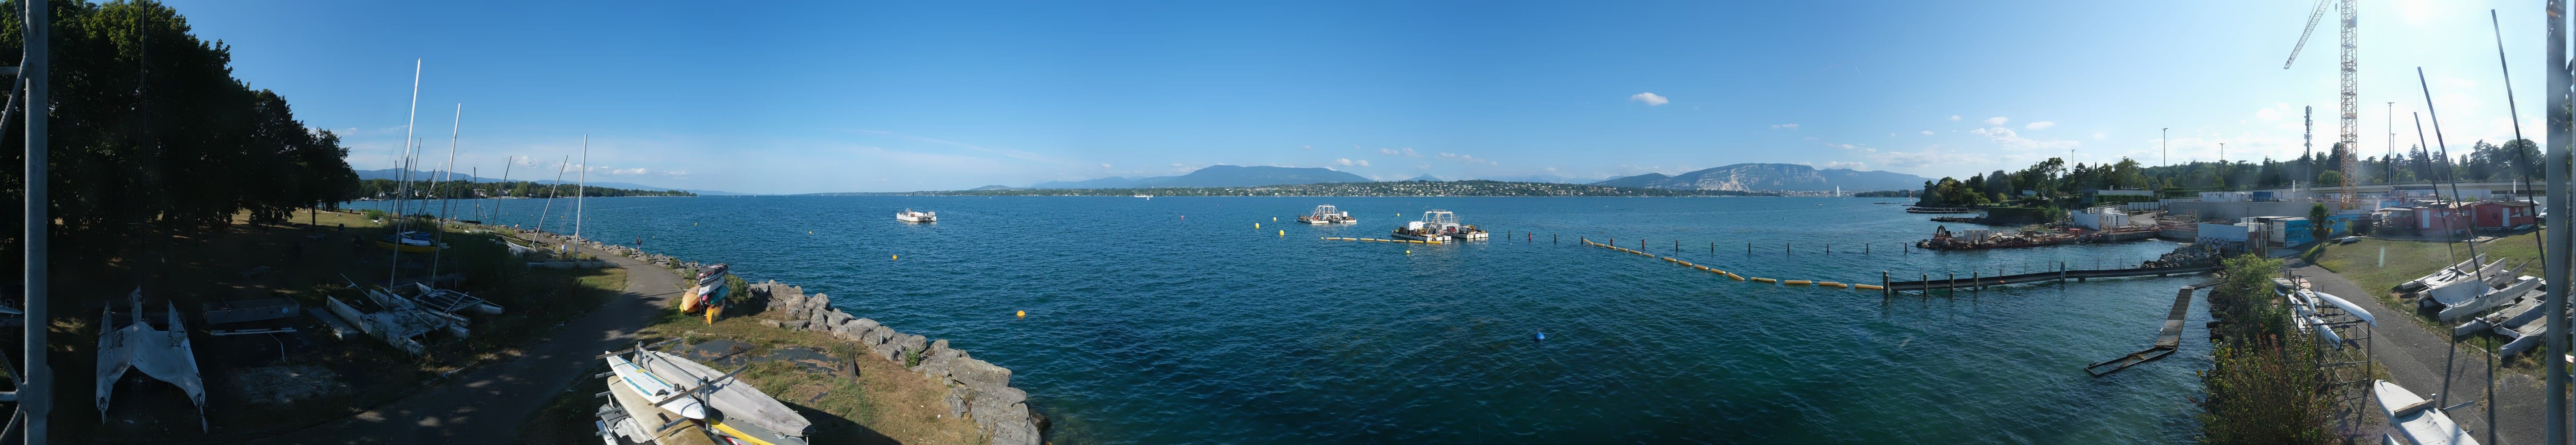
2167,340
1731,275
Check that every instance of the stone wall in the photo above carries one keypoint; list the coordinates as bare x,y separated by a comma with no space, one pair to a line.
977,390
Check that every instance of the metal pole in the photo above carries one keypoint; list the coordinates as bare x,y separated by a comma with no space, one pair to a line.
35,392
2554,264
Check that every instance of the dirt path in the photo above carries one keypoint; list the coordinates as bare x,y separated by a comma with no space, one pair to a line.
488,403
2417,357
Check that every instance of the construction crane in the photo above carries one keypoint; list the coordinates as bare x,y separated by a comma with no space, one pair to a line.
2343,149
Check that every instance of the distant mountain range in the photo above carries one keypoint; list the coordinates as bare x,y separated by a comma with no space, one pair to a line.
1779,177
1216,176
418,175
1425,178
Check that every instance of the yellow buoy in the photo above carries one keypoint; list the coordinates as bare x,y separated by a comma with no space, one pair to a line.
1283,234
1408,252
1796,282
895,257
1866,286
1024,314
1256,225
1765,280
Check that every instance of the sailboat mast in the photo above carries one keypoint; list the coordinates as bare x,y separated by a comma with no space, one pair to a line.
446,202
550,193
505,182
583,190
404,176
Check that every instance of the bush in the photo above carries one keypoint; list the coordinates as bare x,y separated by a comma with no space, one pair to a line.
2265,386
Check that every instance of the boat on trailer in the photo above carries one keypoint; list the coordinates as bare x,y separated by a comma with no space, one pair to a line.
910,216
1325,214
1438,225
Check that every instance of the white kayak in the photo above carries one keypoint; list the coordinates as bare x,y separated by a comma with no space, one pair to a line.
645,383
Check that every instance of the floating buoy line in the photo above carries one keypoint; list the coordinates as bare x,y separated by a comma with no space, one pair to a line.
1729,275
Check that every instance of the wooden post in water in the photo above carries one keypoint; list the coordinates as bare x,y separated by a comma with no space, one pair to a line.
1551,238
1748,248
1883,290
1829,248
1864,248
1927,285
1784,248
1954,283
1974,282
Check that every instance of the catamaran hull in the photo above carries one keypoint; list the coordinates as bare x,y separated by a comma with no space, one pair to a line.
407,248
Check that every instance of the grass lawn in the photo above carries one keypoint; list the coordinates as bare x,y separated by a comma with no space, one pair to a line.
266,383
881,403
2408,260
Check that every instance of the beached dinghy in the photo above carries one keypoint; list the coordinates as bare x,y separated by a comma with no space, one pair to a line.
2417,418
643,382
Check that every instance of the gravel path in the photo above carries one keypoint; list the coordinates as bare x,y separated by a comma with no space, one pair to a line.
488,403
2417,357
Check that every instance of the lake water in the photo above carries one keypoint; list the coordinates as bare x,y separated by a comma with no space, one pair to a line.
1174,320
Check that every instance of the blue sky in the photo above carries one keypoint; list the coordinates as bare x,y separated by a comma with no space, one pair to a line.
893,96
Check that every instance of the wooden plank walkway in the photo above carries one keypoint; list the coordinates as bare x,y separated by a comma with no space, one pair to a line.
1975,281
2168,338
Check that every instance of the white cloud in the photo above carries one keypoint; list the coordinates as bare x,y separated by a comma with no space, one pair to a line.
2099,136
1466,159
1927,132
1997,120
1362,162
1918,159
1104,165
1651,99
1406,152
1784,126
1306,147
1342,161
1954,118
675,173
630,171
1849,165
2041,125
2005,138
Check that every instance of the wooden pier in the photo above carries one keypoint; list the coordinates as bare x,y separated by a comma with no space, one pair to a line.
1976,281
2167,340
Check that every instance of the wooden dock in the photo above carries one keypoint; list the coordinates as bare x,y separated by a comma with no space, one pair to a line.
2167,340
1976,281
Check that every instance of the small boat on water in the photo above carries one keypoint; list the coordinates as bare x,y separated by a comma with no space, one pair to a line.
1438,225
910,216
1146,196
1325,214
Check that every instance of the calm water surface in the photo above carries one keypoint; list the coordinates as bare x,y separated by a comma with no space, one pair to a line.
1175,320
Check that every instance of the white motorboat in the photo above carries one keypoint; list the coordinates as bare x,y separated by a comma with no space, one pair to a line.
911,216
1438,225
1325,214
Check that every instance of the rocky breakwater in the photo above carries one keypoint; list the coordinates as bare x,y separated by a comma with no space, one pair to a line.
977,390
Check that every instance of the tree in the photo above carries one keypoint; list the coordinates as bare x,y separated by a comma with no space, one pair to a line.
2319,224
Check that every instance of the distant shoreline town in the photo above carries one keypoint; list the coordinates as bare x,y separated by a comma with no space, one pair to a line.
1405,188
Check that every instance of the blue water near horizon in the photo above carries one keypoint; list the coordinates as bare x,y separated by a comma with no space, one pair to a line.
1174,320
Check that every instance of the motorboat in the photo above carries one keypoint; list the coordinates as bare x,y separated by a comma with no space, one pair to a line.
1325,214
911,216
1436,226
